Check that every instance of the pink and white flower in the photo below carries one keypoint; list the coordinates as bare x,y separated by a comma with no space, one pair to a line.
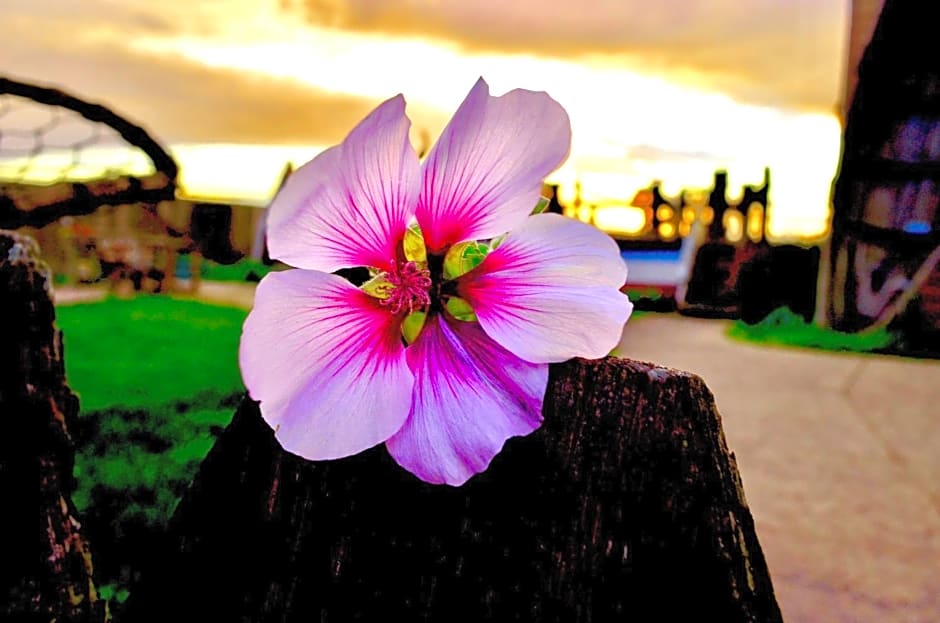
327,360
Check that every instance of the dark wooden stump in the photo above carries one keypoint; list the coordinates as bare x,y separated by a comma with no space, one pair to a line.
625,505
51,580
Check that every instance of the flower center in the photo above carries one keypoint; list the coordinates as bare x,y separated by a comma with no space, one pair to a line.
407,288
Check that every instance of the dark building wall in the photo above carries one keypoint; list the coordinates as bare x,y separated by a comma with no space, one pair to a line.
885,217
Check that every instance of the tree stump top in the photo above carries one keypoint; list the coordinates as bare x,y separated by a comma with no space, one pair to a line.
625,505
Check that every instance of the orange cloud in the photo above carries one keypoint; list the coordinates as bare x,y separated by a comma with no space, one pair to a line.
178,100
761,51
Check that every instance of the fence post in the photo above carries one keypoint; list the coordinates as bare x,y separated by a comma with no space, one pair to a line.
53,580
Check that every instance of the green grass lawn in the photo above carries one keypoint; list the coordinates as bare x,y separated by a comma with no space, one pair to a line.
242,270
782,327
158,380
149,351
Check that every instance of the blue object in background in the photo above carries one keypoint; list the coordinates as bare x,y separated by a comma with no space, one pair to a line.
182,267
917,227
659,255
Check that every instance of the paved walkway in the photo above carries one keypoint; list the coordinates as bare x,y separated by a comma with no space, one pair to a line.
223,293
840,458
839,454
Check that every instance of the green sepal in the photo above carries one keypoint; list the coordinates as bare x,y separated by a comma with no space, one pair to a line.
464,257
460,309
413,245
541,206
377,287
412,324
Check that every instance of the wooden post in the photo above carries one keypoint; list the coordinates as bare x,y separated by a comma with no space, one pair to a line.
51,581
625,505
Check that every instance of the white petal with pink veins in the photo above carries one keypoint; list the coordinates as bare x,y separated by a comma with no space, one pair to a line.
327,364
484,175
350,205
550,291
470,396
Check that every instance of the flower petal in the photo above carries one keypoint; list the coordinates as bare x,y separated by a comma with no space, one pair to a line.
484,175
351,204
550,291
326,362
470,396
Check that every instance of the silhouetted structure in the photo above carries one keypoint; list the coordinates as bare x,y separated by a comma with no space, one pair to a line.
125,222
737,272
24,204
885,244
707,256
122,223
718,200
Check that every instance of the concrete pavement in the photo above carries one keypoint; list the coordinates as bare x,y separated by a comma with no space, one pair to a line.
235,294
840,458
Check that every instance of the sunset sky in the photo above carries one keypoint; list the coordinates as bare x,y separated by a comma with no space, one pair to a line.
665,90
